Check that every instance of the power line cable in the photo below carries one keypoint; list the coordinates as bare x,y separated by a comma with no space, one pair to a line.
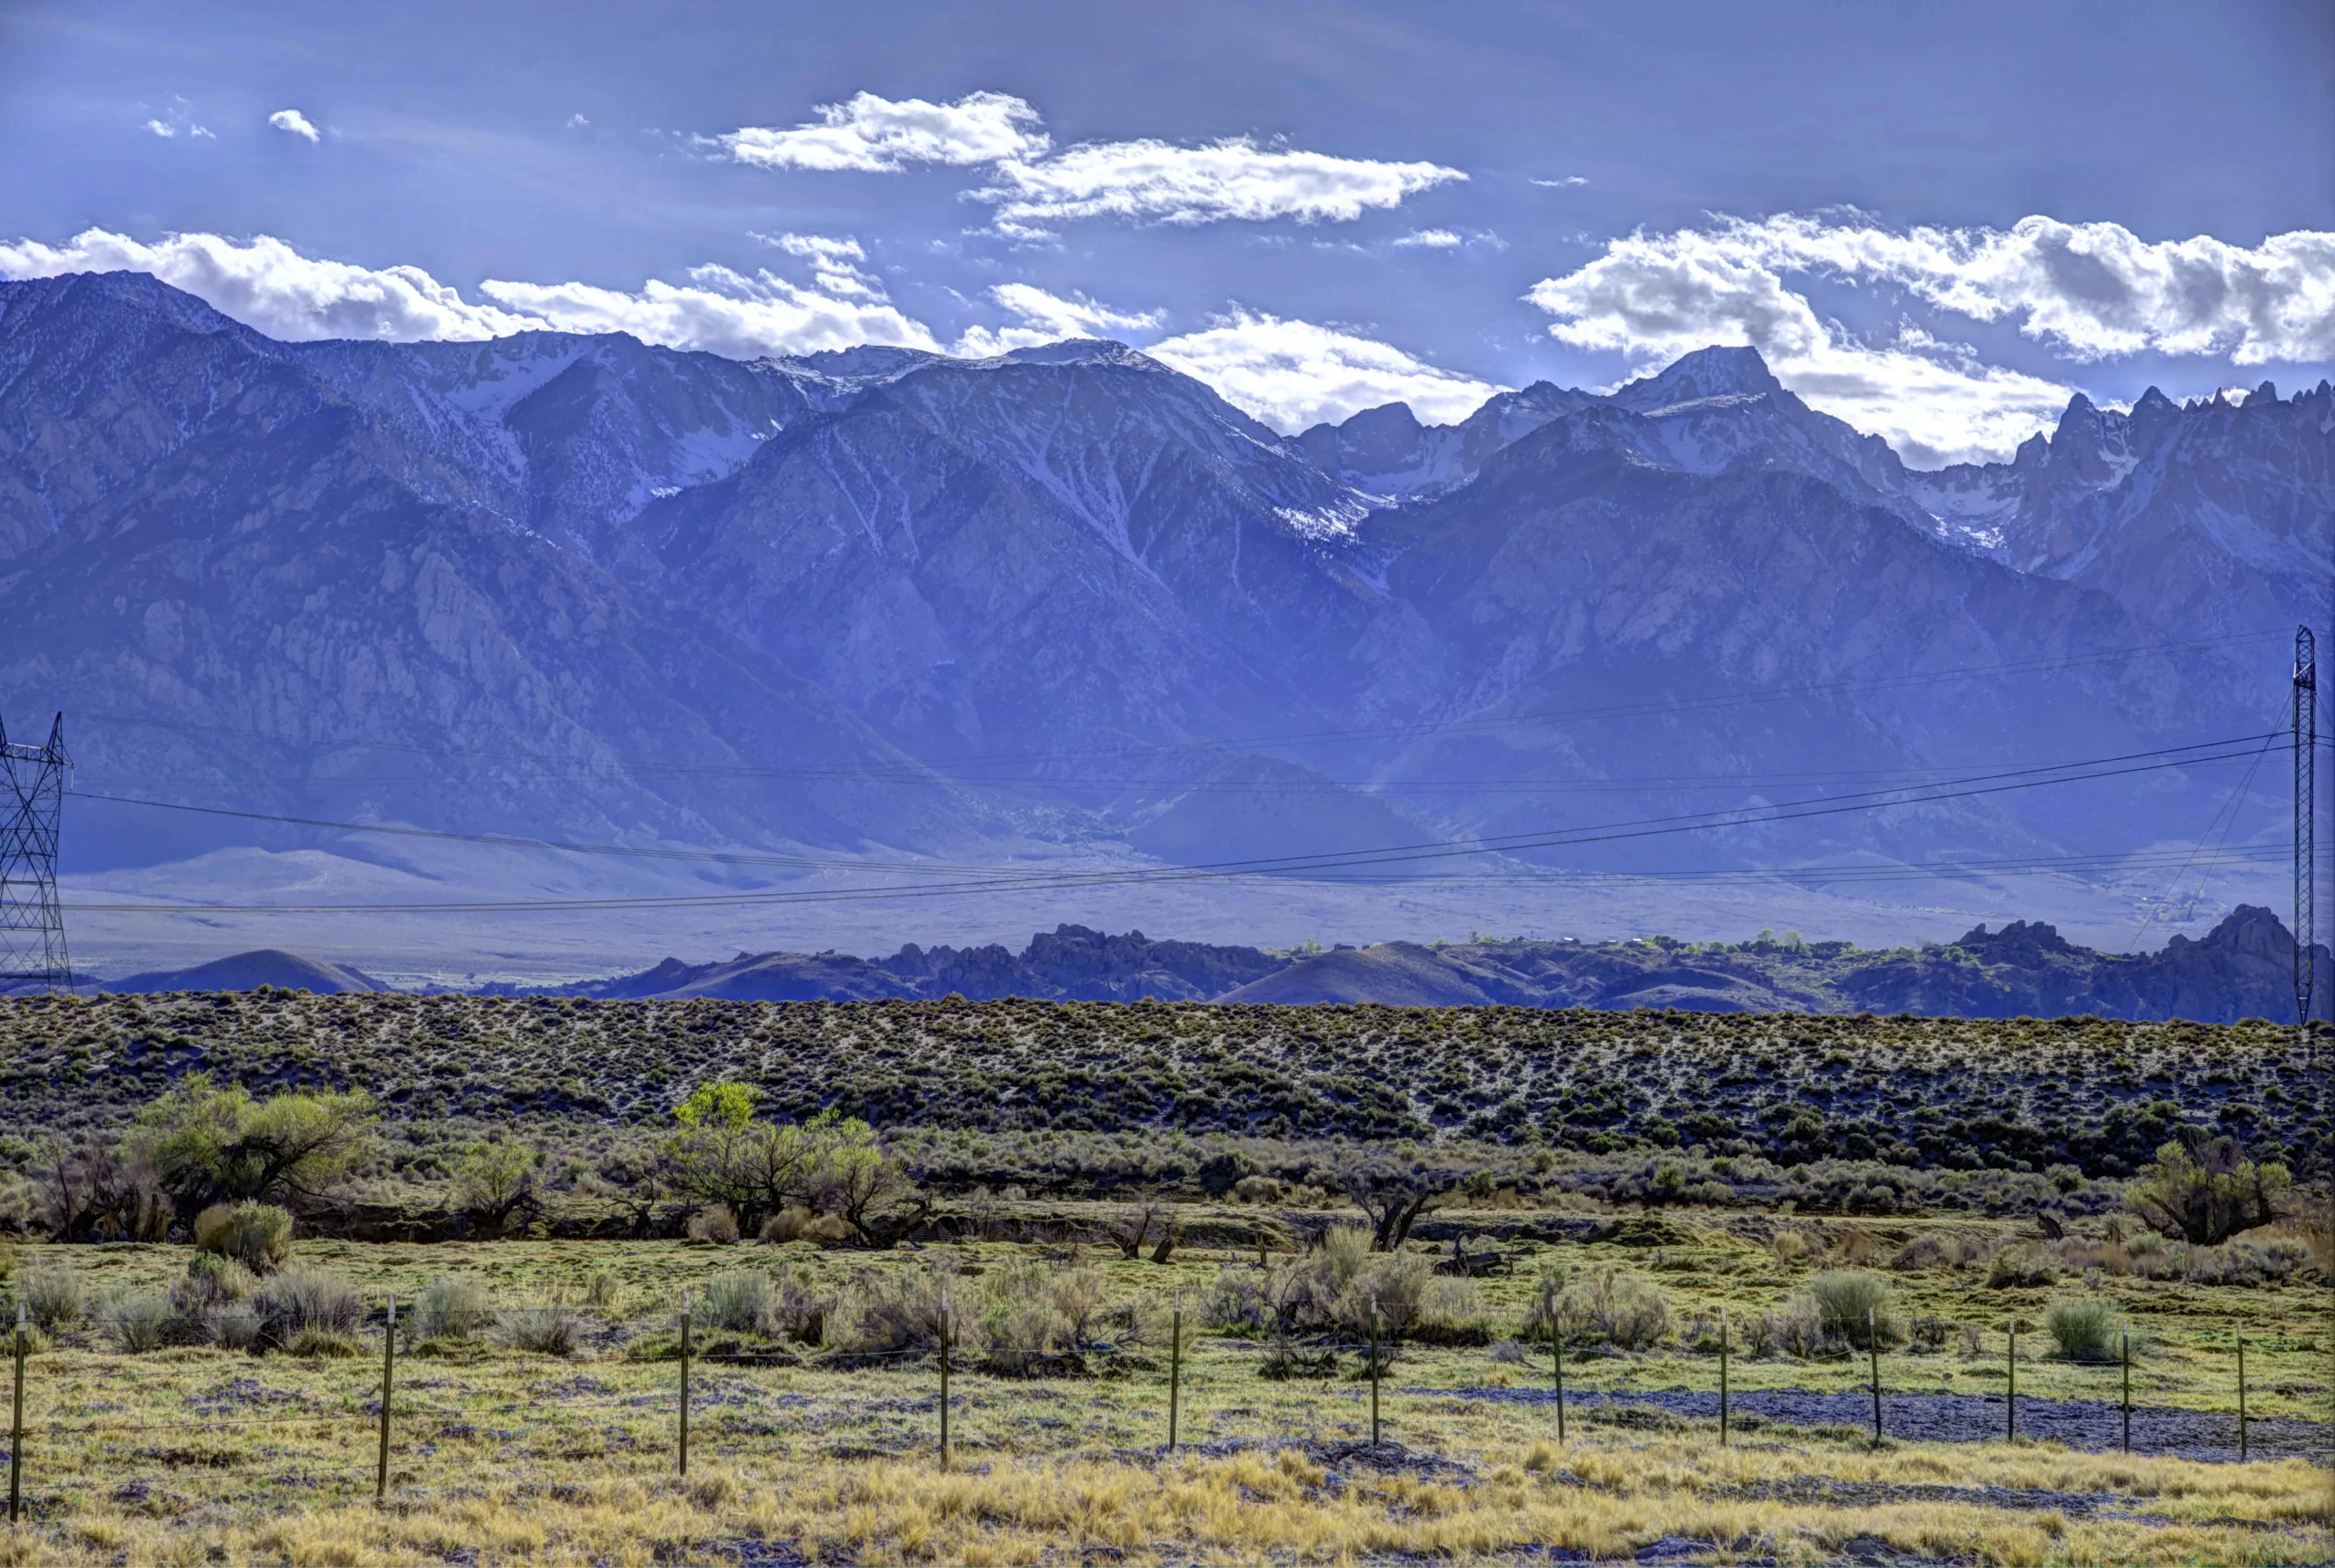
1268,865
914,766
741,857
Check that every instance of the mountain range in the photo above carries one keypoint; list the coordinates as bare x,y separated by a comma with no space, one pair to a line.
887,604
2242,968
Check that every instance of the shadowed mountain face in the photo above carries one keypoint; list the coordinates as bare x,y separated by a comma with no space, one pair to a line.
581,586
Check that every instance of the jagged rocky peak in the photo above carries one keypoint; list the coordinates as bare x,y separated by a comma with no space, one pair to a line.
1714,372
2020,938
1083,351
2249,929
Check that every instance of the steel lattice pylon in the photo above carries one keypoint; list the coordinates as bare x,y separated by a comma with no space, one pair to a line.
32,806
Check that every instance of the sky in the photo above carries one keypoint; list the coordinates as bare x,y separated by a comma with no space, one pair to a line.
1935,222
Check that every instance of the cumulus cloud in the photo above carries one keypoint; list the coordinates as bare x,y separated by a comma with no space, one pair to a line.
718,310
1430,239
1566,183
2090,291
293,121
267,285
1156,182
1292,374
2085,291
836,263
875,133
1047,318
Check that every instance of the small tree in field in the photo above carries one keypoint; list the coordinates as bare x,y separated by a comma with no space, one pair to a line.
206,1144
2209,1194
1394,1192
494,1180
723,1154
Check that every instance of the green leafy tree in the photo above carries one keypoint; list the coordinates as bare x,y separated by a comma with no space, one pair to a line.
495,1181
208,1144
2208,1193
721,1153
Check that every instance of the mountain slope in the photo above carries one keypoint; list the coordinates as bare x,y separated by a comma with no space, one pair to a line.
291,601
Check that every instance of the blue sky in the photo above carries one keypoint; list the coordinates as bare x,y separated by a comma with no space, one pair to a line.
1936,221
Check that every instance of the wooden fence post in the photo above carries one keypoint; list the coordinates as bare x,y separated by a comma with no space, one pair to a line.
2126,1341
1872,1350
17,1426
1175,1365
1374,1372
944,1377
685,1383
2010,1395
388,1391
1722,1375
1557,1352
2241,1396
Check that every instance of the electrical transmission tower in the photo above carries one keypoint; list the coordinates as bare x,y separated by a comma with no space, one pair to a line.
32,925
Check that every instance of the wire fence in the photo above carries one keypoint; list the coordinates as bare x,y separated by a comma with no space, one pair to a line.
370,1411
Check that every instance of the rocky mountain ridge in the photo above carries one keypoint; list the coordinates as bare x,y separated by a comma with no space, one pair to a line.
886,601
2242,968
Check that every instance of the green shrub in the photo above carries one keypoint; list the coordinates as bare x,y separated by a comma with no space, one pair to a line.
2085,1329
52,1295
452,1307
714,1224
1620,1309
298,1298
2017,1266
321,1343
880,1314
256,1235
741,1299
1393,1286
545,1330
136,1323
1852,1305
234,1325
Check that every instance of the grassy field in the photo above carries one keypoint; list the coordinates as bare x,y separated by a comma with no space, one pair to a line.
802,1453
1628,1181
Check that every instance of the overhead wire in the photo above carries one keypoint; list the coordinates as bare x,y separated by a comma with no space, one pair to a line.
1983,785
919,768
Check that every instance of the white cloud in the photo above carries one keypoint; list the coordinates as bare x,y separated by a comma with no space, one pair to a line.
1047,318
2090,290
293,121
1292,374
578,122
1430,239
178,120
2087,291
875,133
1566,183
267,285
835,263
1156,182
718,310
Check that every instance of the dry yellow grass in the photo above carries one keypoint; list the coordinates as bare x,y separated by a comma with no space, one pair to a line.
1601,1498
